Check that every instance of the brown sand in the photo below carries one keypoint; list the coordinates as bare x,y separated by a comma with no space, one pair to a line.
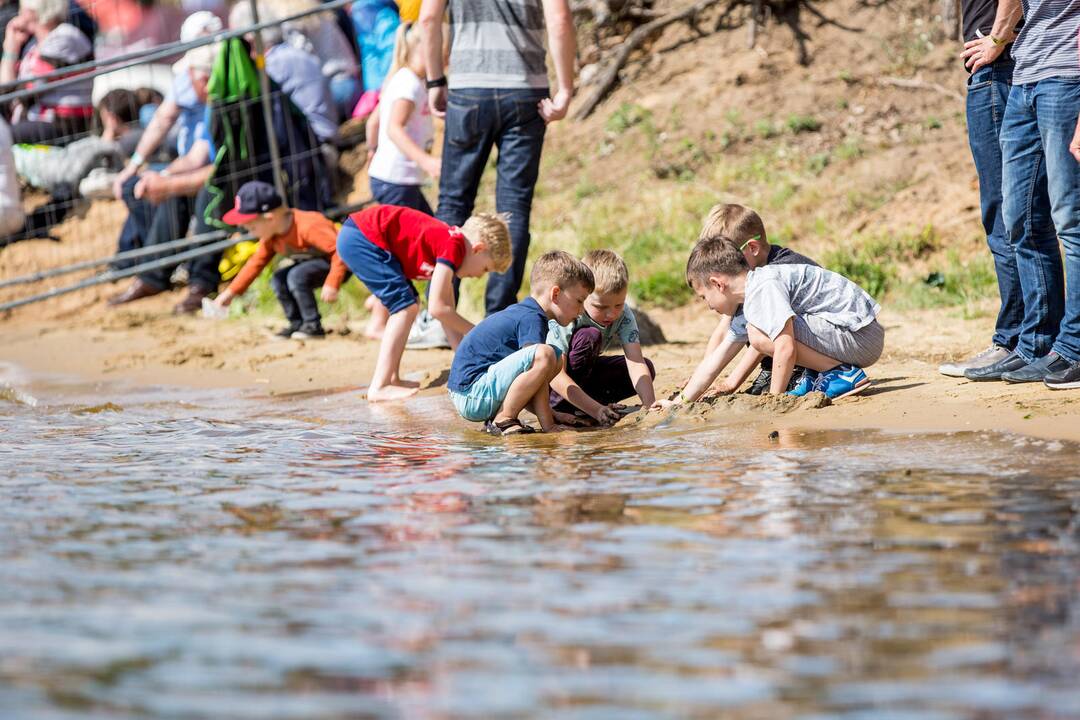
145,345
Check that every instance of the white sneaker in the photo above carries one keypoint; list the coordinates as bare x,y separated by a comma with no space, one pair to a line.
97,185
426,333
989,356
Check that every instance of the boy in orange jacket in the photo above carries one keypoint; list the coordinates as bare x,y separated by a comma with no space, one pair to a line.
309,242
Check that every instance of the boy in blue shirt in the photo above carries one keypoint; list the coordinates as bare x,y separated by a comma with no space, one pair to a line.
504,365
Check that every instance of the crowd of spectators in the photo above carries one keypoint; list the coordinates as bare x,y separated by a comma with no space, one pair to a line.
146,134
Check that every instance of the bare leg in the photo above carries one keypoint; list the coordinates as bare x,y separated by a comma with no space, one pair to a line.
530,385
782,368
377,322
453,337
383,386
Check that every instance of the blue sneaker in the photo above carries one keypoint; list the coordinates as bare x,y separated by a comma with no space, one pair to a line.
806,383
842,381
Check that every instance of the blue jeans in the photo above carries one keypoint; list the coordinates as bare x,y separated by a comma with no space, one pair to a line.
987,96
1041,189
410,196
478,119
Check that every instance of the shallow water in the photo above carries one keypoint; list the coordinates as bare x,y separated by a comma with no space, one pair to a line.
192,554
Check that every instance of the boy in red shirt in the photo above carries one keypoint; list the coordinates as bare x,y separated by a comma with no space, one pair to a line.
388,246
309,242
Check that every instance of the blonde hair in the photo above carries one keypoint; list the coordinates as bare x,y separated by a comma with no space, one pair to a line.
406,42
609,271
47,11
737,222
560,269
494,232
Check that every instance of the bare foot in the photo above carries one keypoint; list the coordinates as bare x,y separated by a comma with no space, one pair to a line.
389,393
404,383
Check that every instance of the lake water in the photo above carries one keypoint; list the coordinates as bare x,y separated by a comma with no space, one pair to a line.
182,554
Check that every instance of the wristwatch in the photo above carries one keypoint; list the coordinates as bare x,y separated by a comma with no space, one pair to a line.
437,82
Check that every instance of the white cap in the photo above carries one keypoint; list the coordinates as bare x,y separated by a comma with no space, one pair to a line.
200,58
199,24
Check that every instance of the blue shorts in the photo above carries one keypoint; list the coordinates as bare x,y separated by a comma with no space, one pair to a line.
378,269
485,396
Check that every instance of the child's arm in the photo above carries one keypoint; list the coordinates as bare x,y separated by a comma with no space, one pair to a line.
565,386
719,334
251,269
395,130
750,360
371,133
783,360
704,374
640,377
441,304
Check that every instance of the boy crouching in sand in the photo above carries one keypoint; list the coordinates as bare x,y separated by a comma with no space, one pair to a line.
388,246
795,314
591,381
309,242
747,230
504,365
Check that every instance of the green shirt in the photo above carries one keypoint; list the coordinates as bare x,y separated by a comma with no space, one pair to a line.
625,328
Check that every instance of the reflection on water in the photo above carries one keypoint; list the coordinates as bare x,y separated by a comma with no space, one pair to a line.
181,554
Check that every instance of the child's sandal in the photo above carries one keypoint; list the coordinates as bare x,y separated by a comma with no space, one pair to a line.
513,426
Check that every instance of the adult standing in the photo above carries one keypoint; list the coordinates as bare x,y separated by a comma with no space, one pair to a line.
989,29
497,95
1041,196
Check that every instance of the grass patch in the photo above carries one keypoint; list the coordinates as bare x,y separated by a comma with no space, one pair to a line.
797,124
626,116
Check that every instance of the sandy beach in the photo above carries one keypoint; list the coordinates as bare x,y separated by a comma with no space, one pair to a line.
147,346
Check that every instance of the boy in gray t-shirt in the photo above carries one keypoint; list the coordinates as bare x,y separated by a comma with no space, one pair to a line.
796,314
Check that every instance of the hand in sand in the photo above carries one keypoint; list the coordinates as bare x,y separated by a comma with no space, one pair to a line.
661,405
606,415
569,419
329,294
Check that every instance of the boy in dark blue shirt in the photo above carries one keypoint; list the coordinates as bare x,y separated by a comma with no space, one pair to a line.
503,364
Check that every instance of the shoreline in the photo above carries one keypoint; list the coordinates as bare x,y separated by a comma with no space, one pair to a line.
147,346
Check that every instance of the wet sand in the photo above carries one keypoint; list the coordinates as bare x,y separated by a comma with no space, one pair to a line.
145,345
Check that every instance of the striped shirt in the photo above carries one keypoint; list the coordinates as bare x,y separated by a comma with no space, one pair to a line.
1046,46
497,44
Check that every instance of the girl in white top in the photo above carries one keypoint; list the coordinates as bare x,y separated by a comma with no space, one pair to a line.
402,160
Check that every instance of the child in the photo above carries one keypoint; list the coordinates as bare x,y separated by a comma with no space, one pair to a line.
387,246
746,229
795,314
309,242
589,380
504,363
403,129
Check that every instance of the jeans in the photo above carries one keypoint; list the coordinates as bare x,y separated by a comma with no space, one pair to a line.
478,119
409,196
203,270
1041,190
604,378
164,222
295,285
987,96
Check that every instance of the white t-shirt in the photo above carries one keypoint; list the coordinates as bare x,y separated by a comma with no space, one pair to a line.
11,210
390,164
775,293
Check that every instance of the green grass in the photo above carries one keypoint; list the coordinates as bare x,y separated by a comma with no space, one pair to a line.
802,124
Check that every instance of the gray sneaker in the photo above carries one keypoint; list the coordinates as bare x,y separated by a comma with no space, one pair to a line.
989,356
426,333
